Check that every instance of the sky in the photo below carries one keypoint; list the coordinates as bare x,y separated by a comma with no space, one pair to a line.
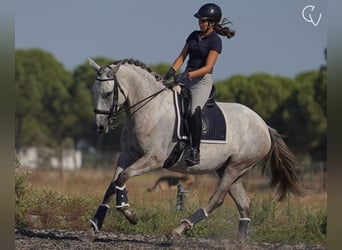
272,36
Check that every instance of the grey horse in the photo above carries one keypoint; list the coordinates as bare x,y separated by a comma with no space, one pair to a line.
148,138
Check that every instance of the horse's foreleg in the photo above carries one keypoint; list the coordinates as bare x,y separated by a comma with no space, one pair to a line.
143,165
122,204
97,221
242,201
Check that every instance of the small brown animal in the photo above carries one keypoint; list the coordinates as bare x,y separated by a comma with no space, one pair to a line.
166,182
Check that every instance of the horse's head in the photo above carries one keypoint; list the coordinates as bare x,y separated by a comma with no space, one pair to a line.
108,96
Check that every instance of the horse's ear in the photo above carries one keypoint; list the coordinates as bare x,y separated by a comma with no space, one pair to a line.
116,68
93,64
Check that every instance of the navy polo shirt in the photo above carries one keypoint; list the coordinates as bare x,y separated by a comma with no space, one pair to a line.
199,48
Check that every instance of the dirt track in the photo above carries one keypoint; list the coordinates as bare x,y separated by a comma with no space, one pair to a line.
62,239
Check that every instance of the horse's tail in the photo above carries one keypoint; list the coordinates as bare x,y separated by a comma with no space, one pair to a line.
284,167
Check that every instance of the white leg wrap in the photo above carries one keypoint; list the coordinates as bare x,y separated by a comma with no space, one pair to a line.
120,188
94,225
247,219
105,205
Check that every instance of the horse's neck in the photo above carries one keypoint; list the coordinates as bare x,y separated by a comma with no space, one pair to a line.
140,83
152,110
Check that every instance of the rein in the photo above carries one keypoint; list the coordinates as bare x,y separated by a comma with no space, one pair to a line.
147,99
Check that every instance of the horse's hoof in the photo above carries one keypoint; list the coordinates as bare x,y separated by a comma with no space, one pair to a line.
130,215
89,235
174,235
177,232
93,225
133,218
243,239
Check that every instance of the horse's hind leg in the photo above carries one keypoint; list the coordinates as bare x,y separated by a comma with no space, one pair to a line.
228,176
242,201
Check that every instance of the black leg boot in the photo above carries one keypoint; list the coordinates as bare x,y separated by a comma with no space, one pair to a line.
196,134
97,221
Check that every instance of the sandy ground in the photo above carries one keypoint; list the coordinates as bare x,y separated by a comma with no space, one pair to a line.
63,239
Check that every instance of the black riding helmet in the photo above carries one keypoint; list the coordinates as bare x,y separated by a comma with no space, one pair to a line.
210,12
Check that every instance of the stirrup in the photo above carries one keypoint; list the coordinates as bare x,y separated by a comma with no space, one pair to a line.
194,157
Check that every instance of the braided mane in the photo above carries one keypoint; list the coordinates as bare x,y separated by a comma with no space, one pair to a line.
139,64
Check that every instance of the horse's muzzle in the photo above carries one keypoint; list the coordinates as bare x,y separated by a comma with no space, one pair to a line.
101,129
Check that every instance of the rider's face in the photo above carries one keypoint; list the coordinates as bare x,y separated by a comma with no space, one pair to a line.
204,25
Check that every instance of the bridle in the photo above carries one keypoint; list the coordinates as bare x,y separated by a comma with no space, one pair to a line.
114,109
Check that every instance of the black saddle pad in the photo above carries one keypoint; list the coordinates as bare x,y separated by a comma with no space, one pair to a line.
214,127
213,124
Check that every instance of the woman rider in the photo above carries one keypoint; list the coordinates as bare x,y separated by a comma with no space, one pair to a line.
203,48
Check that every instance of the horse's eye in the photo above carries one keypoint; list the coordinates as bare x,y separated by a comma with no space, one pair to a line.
107,95
109,74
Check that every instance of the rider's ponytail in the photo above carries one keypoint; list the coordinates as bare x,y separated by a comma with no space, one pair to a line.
224,31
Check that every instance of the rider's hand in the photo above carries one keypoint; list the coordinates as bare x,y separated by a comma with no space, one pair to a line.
169,74
181,77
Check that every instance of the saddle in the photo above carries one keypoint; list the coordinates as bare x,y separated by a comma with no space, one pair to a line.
213,123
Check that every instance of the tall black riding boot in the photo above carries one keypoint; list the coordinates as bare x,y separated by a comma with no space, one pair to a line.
196,134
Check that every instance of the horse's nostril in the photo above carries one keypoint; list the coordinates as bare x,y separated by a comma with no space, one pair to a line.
100,129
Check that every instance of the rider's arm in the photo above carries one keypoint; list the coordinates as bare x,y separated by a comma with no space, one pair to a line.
180,59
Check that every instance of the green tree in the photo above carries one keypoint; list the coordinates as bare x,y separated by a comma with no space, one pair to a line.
320,88
266,93
261,92
230,90
42,99
302,117
295,107
161,68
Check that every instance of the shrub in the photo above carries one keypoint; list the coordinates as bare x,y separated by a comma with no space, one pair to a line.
20,191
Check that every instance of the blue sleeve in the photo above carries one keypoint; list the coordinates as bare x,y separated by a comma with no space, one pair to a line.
216,44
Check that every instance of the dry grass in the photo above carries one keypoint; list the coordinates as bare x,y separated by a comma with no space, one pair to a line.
69,200
95,182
